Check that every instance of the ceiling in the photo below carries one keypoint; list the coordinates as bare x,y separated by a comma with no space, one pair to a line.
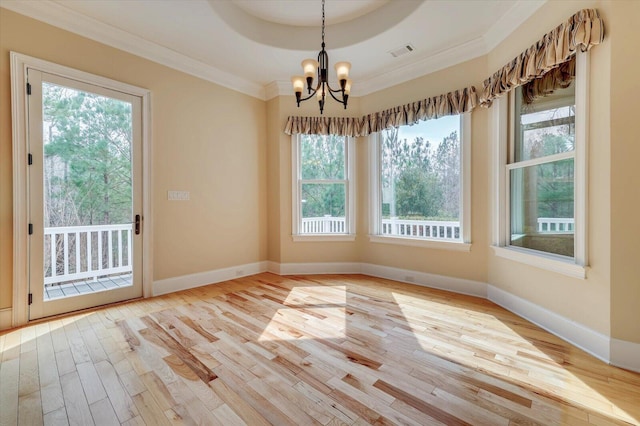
255,46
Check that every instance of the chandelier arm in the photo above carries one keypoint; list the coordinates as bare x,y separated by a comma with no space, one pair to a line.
334,96
311,95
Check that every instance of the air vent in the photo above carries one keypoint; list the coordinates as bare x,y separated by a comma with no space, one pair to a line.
403,50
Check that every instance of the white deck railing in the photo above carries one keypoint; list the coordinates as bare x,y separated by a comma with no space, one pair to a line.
323,225
87,252
441,230
556,224
410,228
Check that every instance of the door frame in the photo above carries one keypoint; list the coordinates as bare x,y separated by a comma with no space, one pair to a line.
19,112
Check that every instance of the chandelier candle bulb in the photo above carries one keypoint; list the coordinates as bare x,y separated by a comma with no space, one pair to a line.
342,70
310,67
298,83
347,87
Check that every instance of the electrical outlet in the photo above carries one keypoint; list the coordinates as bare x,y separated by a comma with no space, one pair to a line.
178,195
409,278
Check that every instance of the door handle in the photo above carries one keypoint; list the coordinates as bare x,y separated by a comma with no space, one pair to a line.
137,226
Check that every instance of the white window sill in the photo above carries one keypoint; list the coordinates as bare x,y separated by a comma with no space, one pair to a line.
550,262
317,238
415,242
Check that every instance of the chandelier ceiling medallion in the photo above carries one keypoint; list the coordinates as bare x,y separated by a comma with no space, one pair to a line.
321,68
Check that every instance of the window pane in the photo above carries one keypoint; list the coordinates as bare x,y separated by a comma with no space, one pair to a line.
546,126
420,178
542,207
322,157
323,208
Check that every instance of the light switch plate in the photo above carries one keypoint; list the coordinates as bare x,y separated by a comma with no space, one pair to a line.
178,195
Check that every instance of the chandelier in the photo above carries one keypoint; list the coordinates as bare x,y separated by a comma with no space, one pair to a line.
321,68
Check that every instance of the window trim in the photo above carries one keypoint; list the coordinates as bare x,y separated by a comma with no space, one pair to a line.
464,244
502,136
296,187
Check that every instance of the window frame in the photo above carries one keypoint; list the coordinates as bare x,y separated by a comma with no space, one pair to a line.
375,207
502,153
296,194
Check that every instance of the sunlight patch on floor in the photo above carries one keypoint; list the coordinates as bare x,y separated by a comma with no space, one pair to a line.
309,306
520,361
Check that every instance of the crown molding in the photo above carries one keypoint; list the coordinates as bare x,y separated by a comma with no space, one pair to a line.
517,14
277,88
59,16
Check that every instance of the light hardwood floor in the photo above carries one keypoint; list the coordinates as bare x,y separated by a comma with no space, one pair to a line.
303,350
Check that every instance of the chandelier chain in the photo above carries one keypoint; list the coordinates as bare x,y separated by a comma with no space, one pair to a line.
323,23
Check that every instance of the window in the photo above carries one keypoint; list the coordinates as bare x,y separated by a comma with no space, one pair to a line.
420,182
541,188
323,187
541,172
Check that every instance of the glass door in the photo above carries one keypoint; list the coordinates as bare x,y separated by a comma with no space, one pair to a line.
84,195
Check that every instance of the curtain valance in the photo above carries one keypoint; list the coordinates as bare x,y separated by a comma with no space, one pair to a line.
342,126
581,31
557,78
452,103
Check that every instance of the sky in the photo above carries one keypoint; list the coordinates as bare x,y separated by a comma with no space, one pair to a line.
432,130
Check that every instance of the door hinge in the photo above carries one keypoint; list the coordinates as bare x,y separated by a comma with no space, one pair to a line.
28,88
30,298
30,228
29,159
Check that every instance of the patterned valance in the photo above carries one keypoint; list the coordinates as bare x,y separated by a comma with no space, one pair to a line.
342,126
452,103
557,78
582,31
438,106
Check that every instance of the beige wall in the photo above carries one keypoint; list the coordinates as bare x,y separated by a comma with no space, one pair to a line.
625,172
207,139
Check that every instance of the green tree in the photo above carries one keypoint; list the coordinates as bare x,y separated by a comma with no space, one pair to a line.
322,158
87,158
447,165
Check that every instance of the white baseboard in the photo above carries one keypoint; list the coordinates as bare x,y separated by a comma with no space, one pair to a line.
6,318
591,341
185,282
319,268
457,285
442,282
625,354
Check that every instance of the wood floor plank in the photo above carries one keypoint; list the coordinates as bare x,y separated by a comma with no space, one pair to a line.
30,409
10,380
74,400
330,350
103,412
119,399
93,389
56,418
149,409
